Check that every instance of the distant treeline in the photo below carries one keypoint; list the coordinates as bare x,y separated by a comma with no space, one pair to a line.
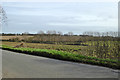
60,38
58,33
12,34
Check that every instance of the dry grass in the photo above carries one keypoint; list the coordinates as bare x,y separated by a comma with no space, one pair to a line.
11,37
63,55
68,48
110,53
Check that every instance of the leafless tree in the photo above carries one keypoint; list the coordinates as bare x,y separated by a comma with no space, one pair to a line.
3,17
25,33
40,32
70,33
51,32
97,34
60,33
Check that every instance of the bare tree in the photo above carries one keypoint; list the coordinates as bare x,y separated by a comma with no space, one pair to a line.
88,33
60,33
97,34
70,33
3,17
40,32
25,33
51,32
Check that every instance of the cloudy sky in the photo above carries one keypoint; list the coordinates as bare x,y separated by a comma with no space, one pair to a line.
60,16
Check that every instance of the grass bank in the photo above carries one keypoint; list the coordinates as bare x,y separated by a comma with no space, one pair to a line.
63,55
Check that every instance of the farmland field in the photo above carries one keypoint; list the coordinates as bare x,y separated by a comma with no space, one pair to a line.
90,50
63,55
93,50
12,37
68,48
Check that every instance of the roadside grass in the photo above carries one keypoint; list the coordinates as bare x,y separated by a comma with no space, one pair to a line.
63,55
74,49
69,48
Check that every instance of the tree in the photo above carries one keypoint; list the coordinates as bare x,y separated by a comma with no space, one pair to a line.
25,33
3,17
60,33
40,32
89,33
70,33
51,32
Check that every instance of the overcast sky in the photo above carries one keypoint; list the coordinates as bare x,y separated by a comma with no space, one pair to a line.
61,16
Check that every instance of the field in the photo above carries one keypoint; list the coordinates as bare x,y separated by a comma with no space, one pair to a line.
91,50
69,48
12,37
109,52
63,55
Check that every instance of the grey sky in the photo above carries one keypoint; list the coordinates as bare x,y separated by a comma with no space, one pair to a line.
61,16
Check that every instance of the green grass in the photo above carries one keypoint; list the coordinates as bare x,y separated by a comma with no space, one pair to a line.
63,55
89,50
68,48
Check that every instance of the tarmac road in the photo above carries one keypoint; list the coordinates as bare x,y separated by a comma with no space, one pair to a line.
17,65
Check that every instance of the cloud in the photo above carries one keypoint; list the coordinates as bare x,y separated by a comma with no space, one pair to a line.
60,0
60,16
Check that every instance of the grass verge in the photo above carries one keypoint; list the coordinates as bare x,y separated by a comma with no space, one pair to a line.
62,55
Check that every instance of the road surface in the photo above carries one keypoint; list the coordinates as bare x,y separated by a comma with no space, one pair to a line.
17,65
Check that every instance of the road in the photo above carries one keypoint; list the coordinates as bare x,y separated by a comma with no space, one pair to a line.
17,65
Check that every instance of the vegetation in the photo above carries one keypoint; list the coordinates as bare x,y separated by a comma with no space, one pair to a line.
100,45
91,47
63,55
75,49
3,16
95,45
